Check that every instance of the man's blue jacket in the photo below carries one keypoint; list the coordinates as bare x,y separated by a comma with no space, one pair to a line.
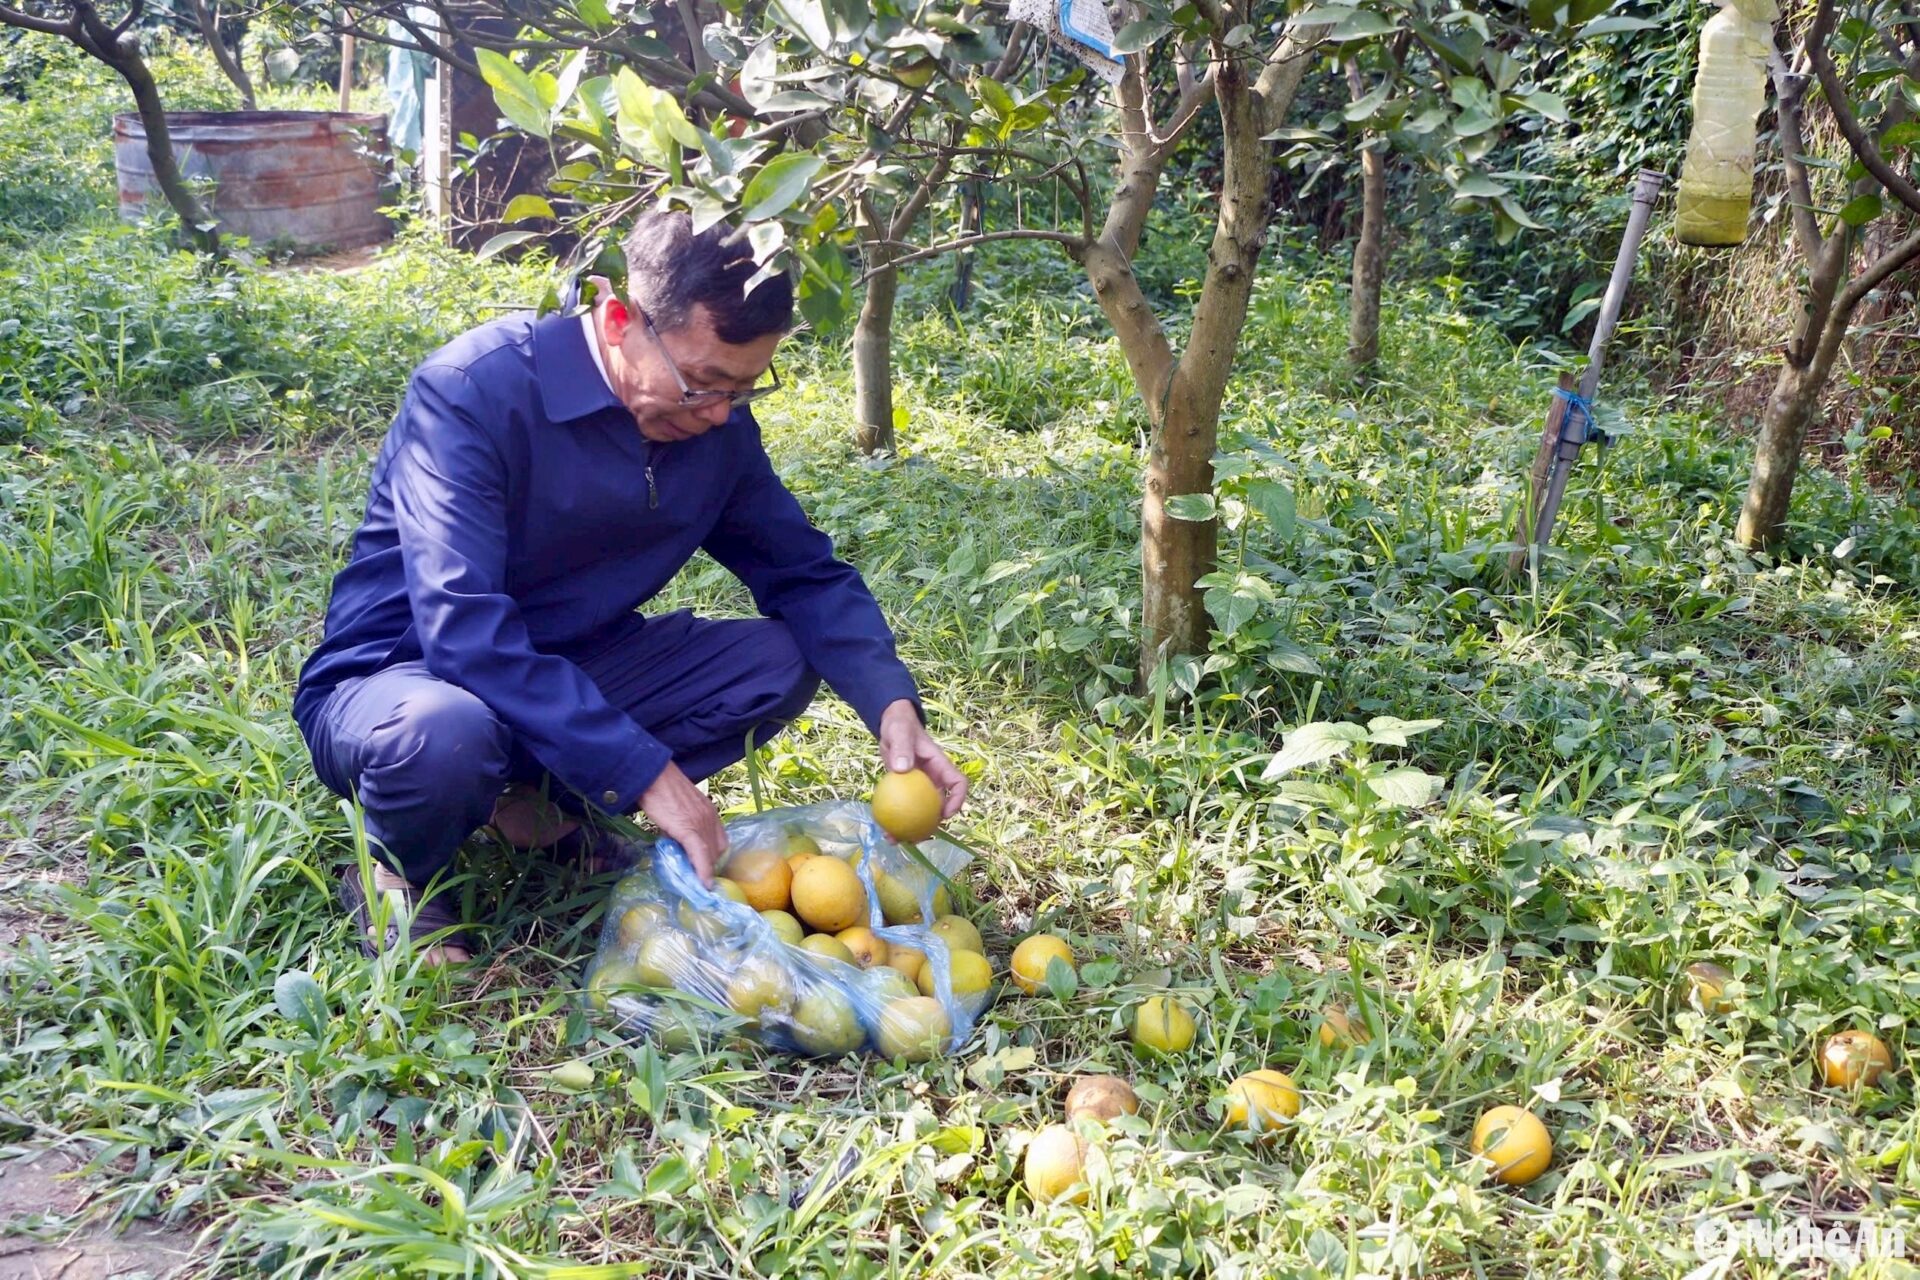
516,511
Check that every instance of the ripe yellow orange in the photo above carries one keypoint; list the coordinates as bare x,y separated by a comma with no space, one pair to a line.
1162,1024
825,944
1101,1098
785,927
608,981
906,805
1707,984
1260,1100
824,1023
907,961
1338,1030
899,894
828,895
969,971
708,926
664,959
1514,1143
915,1028
959,934
1033,955
888,984
1056,1166
758,985
1854,1058
868,948
637,922
763,876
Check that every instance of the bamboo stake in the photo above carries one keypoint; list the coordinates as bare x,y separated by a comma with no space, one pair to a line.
1572,426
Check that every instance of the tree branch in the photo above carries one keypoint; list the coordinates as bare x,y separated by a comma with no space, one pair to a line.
696,46
1791,90
1280,78
34,22
1877,271
1073,243
1016,47
1865,149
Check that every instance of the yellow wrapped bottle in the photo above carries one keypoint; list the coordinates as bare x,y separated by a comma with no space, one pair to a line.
1730,88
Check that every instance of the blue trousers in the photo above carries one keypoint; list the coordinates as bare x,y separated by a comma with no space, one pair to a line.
427,759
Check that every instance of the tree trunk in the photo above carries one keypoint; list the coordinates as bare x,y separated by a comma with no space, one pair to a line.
972,217
348,51
1369,264
1176,554
1810,357
873,362
230,64
127,61
1776,460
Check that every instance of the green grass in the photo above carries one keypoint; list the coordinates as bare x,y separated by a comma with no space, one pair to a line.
1662,750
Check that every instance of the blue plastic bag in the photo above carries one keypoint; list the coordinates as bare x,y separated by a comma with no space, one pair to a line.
681,963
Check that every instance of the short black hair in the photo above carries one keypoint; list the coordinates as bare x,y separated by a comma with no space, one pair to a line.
671,270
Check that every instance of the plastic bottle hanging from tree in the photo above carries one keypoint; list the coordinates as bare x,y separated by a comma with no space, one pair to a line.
1730,88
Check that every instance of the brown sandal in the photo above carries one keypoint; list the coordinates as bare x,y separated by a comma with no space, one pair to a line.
429,922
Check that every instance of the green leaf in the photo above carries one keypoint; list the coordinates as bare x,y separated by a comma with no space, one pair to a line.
1195,507
1861,210
1392,731
1062,984
806,19
513,92
1366,108
1550,105
527,205
1405,788
779,184
996,98
300,1001
1511,208
1364,24
1613,24
504,241
1479,186
1275,502
1579,311
1138,36
1312,744
1905,134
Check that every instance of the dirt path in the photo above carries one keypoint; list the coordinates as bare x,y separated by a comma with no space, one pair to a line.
45,1232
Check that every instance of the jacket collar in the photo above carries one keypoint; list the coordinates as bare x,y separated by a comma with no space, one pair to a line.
571,385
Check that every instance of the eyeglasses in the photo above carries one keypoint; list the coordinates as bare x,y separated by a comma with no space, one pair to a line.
691,399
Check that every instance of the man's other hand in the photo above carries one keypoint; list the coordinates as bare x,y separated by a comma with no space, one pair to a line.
682,812
904,745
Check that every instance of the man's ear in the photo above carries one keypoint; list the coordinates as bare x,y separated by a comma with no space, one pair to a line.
615,320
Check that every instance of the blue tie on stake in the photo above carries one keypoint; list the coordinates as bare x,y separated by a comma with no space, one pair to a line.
1570,423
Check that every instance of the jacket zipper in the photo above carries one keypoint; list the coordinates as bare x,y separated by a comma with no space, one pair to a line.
653,490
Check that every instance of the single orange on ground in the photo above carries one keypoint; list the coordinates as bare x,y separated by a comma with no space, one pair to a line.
906,805
1056,1166
1162,1024
1259,1100
1854,1058
1101,1098
1339,1031
1514,1142
1033,955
